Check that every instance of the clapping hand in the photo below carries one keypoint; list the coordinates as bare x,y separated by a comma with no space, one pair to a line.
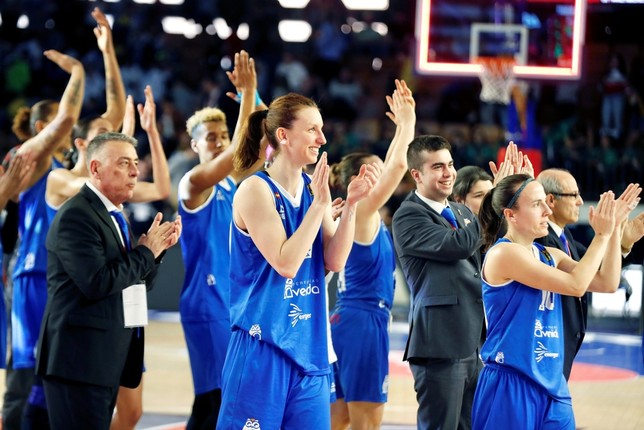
147,113
602,218
362,184
161,236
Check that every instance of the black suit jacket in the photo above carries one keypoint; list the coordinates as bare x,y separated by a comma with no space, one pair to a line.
82,336
442,268
574,309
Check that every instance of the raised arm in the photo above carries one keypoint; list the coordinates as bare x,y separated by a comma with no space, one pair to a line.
62,185
402,105
129,120
244,78
607,278
207,174
45,143
114,88
160,188
338,241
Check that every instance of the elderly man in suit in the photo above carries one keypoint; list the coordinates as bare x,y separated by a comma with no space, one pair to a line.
564,200
88,342
438,244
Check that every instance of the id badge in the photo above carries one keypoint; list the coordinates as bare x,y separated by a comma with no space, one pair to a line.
135,306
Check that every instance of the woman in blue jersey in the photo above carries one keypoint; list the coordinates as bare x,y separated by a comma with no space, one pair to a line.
522,384
205,198
12,182
283,238
45,129
360,320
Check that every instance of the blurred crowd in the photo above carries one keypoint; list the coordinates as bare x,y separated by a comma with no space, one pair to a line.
594,127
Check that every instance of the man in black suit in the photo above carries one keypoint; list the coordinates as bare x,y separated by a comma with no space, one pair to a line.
85,349
441,261
564,200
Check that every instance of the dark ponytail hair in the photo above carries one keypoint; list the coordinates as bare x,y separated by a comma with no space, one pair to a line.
247,150
341,172
24,122
504,195
282,112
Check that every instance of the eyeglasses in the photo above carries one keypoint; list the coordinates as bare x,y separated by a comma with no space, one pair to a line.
573,195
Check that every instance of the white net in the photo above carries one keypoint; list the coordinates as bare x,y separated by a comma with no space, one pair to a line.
497,79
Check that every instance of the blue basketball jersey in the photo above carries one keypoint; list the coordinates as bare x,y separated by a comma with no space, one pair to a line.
206,257
525,331
33,227
51,211
287,313
3,318
368,276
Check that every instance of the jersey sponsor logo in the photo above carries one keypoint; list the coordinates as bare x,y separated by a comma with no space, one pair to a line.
385,385
541,331
308,254
500,357
542,352
30,261
341,284
252,424
296,314
282,212
210,279
547,301
255,331
219,195
297,290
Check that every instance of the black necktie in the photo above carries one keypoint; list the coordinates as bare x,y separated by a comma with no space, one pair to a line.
125,231
449,216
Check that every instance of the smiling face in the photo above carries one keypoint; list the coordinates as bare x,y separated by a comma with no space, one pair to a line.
530,215
114,170
435,179
305,137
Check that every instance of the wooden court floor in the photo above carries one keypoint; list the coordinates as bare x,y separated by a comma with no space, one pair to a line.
599,405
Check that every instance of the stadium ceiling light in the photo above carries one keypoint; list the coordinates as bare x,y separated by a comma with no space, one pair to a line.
145,1
380,28
180,25
23,22
294,4
222,28
0,20
171,2
294,30
243,31
366,4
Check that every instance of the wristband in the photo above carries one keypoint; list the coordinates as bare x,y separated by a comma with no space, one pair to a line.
258,99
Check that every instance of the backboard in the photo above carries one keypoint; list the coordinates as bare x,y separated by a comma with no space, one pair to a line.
544,36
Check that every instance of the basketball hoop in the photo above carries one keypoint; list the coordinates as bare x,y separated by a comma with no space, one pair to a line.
497,78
